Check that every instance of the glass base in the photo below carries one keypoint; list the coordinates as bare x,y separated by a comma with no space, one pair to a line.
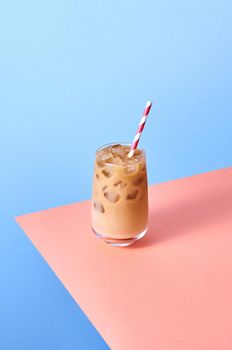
114,242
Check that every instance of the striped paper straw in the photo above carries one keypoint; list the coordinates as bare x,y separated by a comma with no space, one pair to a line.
140,129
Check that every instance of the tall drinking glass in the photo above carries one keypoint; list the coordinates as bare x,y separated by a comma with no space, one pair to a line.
119,208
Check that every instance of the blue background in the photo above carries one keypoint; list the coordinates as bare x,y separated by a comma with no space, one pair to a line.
75,75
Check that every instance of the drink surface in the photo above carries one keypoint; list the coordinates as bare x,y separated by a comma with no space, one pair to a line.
119,203
117,154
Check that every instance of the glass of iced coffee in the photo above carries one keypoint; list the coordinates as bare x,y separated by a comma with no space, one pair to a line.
119,208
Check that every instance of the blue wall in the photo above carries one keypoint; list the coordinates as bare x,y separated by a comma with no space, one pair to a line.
75,75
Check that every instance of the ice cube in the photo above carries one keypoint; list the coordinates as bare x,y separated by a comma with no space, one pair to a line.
132,195
111,196
131,168
137,152
118,160
118,150
108,159
131,160
137,181
142,166
100,164
107,172
120,184
98,207
105,156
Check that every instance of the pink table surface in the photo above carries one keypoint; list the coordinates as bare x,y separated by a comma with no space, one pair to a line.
173,289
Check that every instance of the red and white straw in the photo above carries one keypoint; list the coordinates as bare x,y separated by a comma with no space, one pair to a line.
140,129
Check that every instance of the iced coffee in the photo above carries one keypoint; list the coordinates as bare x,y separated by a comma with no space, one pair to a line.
119,211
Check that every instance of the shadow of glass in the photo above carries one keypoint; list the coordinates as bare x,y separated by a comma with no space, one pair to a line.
190,214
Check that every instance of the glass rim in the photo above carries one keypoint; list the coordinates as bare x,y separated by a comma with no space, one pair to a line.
139,158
